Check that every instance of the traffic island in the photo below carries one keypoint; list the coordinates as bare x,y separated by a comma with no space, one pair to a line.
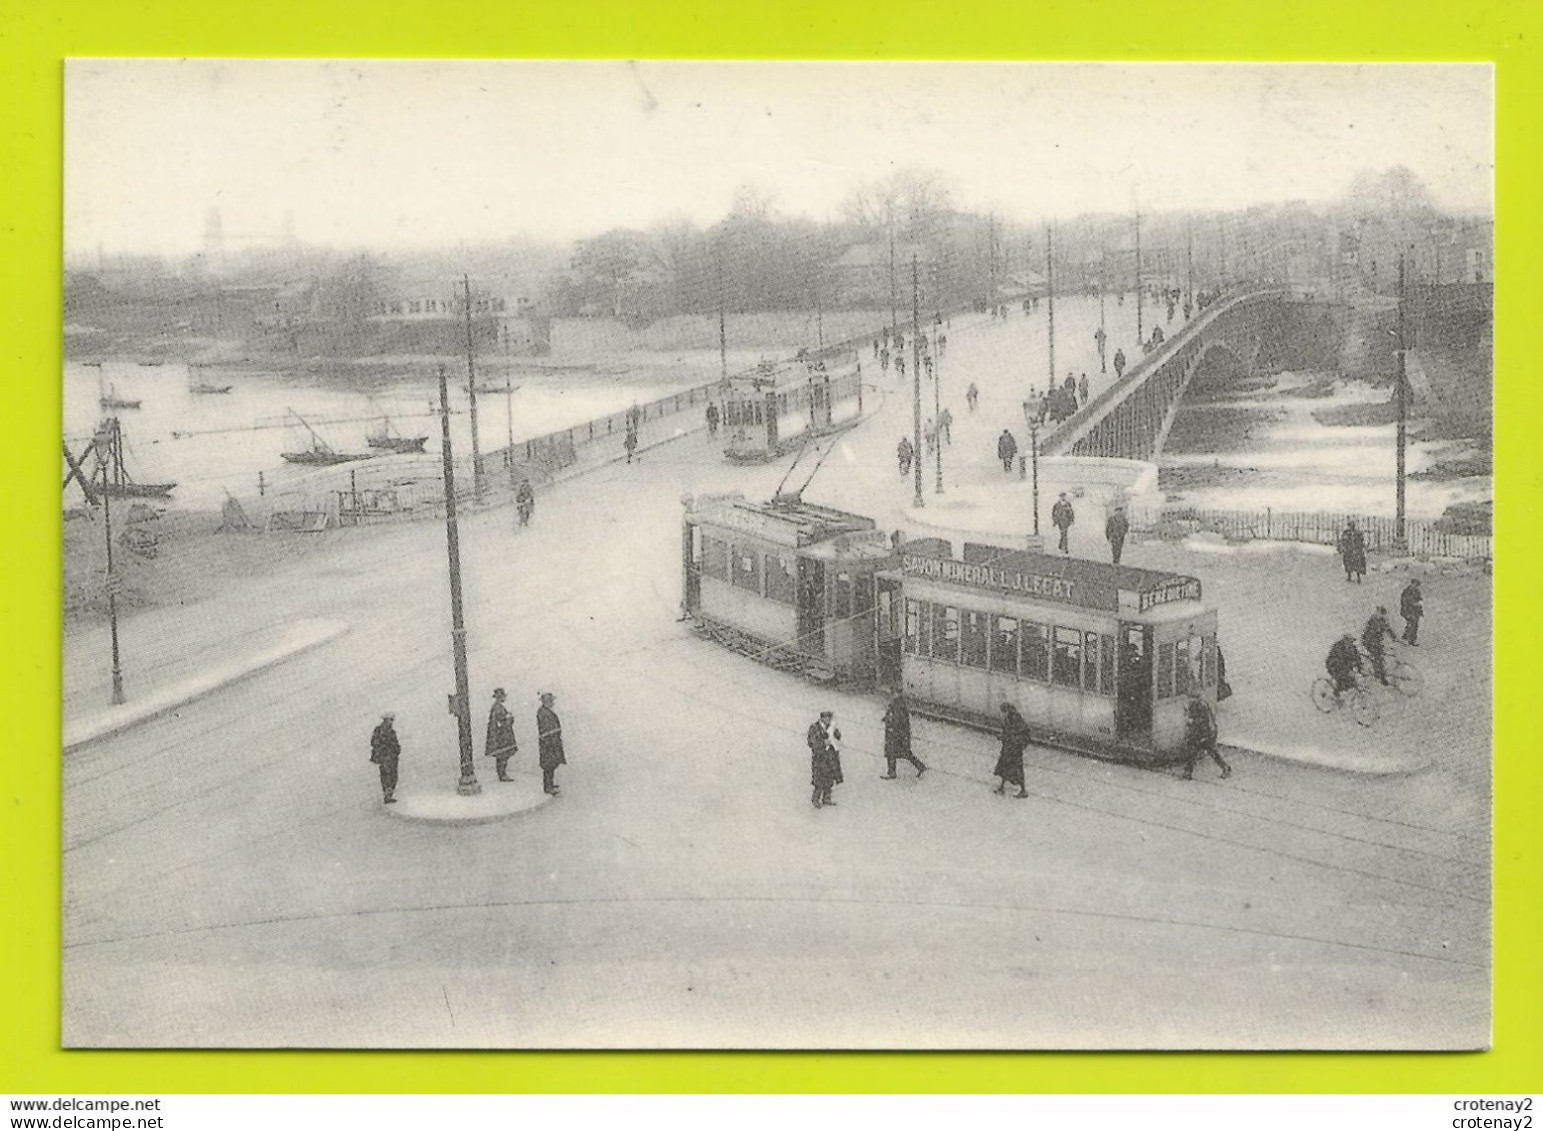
442,805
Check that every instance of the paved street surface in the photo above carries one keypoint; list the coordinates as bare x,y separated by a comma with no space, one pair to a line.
231,878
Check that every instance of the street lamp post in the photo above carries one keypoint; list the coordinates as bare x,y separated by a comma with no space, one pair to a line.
1032,419
461,703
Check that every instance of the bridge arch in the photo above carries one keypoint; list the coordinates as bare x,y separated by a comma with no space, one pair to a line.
1131,419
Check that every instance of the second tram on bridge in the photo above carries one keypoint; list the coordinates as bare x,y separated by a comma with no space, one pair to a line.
1098,658
776,407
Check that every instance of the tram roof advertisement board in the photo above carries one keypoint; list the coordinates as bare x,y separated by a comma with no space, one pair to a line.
1067,581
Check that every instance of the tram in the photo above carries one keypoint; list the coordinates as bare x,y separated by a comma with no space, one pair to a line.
1099,659
790,583
779,406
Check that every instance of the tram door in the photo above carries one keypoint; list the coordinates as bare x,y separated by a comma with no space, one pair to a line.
819,406
1133,707
771,422
691,550
811,606
890,626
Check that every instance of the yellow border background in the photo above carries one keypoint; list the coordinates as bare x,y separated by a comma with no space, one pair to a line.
36,35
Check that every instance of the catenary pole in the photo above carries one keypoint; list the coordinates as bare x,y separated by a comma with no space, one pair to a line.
471,393
1399,540
467,786
916,379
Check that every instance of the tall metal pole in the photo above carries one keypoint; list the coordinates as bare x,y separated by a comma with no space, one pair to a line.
471,393
894,317
508,407
1050,296
1103,334
819,311
467,786
1034,459
937,380
1189,267
916,378
1140,326
723,333
1399,541
108,436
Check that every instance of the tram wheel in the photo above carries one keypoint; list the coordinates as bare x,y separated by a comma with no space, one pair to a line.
1363,706
1323,695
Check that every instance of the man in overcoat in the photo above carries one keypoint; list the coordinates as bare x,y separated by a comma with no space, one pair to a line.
549,742
1200,735
897,736
385,750
1411,606
501,745
1007,449
1115,529
1352,551
824,759
1015,736
1063,516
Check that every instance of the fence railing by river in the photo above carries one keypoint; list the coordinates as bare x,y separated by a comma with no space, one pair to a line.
411,486
1424,538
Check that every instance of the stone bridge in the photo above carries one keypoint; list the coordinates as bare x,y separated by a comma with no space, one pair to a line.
1131,419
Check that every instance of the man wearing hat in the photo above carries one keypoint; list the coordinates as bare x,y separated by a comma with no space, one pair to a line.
824,759
384,752
1063,516
1411,606
501,745
549,739
1115,529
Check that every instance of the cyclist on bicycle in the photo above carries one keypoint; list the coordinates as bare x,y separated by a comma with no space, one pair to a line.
1344,664
1377,629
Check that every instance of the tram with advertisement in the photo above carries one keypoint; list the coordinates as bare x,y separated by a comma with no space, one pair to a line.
779,406
1099,659
787,582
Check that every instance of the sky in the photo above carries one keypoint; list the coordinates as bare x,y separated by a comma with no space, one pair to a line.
403,154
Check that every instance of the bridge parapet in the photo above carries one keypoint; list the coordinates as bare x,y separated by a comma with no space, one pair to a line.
1131,418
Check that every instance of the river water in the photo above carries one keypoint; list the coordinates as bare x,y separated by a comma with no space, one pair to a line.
1260,447
210,443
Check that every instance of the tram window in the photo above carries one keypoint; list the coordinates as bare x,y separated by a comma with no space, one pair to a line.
862,594
1164,670
1036,652
973,638
1207,660
1004,646
747,570
1066,662
780,585
945,633
1181,672
843,602
913,624
715,558
1090,662
1106,665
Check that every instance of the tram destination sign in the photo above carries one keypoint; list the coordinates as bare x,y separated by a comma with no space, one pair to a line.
1169,591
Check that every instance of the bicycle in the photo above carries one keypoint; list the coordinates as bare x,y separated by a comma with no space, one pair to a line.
1402,675
1362,704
